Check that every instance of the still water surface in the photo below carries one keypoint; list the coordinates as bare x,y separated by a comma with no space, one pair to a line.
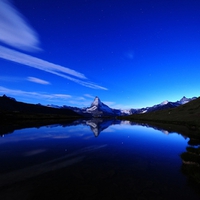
93,159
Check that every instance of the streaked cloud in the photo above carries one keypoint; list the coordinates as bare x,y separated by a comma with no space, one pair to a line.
15,31
81,98
109,103
20,79
21,93
121,106
46,66
61,96
38,63
79,102
11,78
34,152
89,96
87,84
37,80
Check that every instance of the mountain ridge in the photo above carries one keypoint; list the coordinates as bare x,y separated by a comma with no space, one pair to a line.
185,114
96,109
99,109
12,109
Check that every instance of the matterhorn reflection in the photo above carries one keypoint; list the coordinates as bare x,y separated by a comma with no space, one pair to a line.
97,125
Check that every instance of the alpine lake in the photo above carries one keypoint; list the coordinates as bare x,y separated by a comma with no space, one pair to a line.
94,159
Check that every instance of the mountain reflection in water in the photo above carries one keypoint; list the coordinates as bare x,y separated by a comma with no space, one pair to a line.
66,161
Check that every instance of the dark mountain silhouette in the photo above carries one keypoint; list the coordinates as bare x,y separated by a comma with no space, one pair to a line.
12,109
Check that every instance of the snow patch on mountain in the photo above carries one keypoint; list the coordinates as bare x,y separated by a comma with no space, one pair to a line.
185,100
164,102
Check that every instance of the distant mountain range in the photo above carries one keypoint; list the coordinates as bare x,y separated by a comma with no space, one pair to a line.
97,108
164,105
186,113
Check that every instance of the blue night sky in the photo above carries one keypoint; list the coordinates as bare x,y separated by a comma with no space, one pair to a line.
129,53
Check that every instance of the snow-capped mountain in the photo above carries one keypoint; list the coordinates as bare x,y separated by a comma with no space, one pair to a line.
164,105
185,100
99,109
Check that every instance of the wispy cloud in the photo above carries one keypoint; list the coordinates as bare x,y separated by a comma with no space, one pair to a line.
87,84
46,66
31,61
121,106
78,103
61,96
109,103
89,96
37,80
20,79
21,93
15,31
11,78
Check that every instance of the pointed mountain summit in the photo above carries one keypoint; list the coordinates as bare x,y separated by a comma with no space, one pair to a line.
185,100
97,102
99,109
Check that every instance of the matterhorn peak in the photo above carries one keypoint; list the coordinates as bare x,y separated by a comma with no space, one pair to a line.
98,109
96,102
